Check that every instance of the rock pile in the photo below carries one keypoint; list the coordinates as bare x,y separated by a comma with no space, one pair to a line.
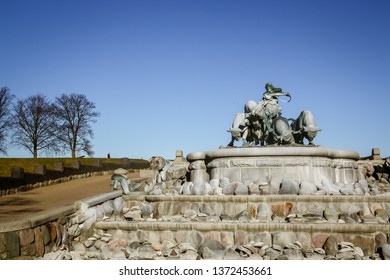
377,175
261,212
169,177
280,246
80,224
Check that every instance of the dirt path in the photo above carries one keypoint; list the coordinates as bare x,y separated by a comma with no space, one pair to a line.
22,205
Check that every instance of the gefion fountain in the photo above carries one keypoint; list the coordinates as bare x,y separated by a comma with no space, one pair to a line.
276,196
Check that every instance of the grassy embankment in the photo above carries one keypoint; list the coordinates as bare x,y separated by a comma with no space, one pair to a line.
6,164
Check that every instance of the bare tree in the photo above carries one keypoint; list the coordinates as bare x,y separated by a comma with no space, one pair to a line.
5,117
75,114
34,125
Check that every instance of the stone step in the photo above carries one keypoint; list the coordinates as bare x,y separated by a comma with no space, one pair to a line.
263,209
280,223
241,237
248,227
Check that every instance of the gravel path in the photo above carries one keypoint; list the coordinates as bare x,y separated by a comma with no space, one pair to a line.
24,204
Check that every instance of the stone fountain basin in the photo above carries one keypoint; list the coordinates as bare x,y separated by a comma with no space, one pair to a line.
255,164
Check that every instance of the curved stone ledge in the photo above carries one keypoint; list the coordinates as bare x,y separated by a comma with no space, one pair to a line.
53,214
274,151
250,227
262,198
100,198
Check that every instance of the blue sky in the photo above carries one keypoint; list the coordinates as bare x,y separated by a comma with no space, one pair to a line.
171,75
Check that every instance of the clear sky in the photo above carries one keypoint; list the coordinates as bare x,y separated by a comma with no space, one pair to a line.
170,75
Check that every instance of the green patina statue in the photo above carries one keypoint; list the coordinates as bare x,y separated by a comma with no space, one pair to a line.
263,123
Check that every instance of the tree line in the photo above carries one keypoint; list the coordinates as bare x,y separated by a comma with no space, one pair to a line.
40,126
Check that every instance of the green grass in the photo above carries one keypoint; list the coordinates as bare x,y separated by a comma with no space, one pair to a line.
6,164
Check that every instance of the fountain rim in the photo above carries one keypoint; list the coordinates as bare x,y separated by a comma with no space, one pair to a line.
275,151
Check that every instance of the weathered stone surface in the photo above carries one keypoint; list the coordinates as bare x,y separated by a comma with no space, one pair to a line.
45,234
307,188
147,210
241,238
146,251
316,209
75,164
39,242
348,208
17,173
157,163
275,185
272,253
28,250
177,171
345,256
358,251
230,188
240,189
264,213
190,214
331,246
54,232
293,254
283,238
243,251
328,187
227,239
199,188
195,239
289,186
386,251
117,243
134,214
318,239
58,166
26,237
366,243
187,188
40,169
347,189
118,204
281,209
380,239
304,239
208,189
12,244
212,249
189,255
254,189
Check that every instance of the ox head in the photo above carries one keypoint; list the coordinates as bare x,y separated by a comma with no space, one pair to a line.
286,137
310,132
236,133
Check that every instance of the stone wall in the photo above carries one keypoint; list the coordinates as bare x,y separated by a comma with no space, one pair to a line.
53,230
